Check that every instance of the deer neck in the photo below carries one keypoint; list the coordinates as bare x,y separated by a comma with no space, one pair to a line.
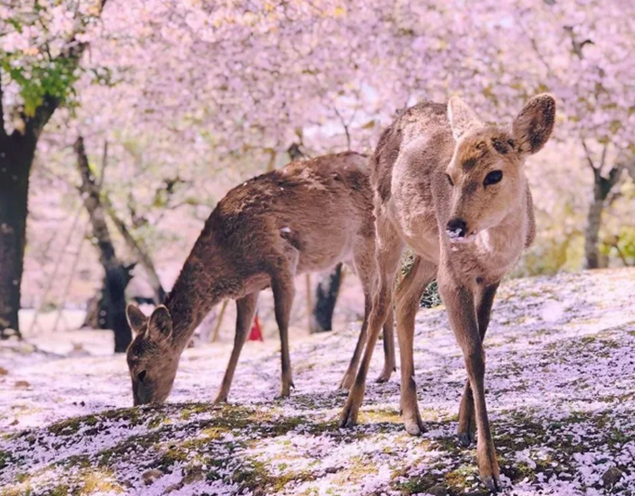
194,294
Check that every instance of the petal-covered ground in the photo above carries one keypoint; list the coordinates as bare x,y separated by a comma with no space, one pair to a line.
560,389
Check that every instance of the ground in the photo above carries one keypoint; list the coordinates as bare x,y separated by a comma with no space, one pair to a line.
560,389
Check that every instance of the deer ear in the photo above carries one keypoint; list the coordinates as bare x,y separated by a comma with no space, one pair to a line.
533,125
136,318
462,117
160,325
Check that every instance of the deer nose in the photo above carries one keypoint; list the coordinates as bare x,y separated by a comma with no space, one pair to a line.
456,228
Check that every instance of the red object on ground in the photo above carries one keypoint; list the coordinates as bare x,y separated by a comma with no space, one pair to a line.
256,331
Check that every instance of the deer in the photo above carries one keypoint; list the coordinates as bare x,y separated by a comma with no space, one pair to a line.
454,191
305,217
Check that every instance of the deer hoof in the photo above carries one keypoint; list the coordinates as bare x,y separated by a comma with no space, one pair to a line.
285,390
347,383
413,427
466,439
348,418
384,377
492,483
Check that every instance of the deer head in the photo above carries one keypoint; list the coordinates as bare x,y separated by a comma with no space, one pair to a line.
486,173
152,356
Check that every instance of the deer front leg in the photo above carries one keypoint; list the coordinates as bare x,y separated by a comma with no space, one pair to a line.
407,304
245,311
461,312
467,420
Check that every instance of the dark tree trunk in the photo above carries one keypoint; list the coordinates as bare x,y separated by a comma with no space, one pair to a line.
592,234
141,252
115,279
602,186
16,157
98,308
115,283
325,298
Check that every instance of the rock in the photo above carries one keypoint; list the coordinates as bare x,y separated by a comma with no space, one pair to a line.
151,475
22,384
3,371
612,476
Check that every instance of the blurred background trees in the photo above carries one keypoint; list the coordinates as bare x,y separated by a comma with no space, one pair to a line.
195,96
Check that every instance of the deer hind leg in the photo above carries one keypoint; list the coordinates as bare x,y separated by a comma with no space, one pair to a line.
365,266
407,304
283,292
390,364
389,348
462,314
245,311
389,251
467,419
349,376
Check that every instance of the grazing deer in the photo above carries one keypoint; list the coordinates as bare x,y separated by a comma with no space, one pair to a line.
305,217
454,190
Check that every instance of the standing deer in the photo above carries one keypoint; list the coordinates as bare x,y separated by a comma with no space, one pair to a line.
454,190
305,217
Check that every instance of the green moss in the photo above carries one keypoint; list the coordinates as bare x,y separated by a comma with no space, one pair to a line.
419,484
158,420
61,490
462,478
21,477
380,416
5,459
97,482
71,426
520,471
81,461
16,492
143,442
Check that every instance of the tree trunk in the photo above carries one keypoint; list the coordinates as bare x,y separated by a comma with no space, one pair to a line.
115,279
602,186
140,251
16,157
115,295
325,298
98,311
592,233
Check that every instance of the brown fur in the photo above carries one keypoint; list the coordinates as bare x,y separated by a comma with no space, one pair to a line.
432,194
305,217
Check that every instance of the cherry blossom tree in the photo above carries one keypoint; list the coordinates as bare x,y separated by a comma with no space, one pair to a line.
41,43
253,76
194,89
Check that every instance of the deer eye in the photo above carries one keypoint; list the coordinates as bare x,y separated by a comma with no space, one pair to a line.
141,375
449,179
493,178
